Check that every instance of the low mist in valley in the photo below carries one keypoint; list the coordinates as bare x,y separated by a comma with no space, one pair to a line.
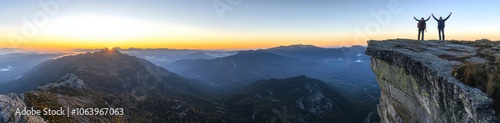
227,77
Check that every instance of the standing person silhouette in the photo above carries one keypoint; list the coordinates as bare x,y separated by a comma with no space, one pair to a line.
441,26
421,26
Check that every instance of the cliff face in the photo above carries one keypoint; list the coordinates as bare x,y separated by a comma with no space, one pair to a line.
418,86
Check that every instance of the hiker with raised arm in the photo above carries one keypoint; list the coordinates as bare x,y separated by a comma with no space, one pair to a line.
421,26
441,25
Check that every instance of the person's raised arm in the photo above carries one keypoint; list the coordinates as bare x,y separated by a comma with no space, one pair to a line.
434,17
415,18
428,18
447,17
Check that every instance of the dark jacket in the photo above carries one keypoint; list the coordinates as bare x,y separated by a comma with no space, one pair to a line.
441,22
421,23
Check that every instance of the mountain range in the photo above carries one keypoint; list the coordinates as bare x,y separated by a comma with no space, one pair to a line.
245,67
271,88
104,69
239,70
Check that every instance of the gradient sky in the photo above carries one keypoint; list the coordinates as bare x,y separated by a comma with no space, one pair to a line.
196,24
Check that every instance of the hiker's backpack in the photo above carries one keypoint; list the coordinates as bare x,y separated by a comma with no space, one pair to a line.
421,25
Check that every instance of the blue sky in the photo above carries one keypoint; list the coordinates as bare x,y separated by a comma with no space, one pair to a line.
319,22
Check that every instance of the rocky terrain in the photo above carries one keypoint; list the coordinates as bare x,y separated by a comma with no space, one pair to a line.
296,99
423,81
8,106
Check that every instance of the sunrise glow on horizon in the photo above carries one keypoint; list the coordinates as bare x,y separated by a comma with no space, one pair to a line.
195,24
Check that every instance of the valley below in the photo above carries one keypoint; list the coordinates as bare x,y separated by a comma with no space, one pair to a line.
298,83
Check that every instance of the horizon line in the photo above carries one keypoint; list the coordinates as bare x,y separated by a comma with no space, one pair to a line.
167,48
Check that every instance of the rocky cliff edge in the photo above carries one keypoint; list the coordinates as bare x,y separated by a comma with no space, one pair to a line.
418,85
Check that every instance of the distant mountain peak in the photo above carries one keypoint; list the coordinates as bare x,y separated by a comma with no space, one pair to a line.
113,50
298,46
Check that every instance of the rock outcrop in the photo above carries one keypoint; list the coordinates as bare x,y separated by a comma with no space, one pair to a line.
418,86
69,80
8,106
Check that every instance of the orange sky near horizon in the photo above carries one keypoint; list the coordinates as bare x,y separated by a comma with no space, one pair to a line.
200,40
203,42
214,44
